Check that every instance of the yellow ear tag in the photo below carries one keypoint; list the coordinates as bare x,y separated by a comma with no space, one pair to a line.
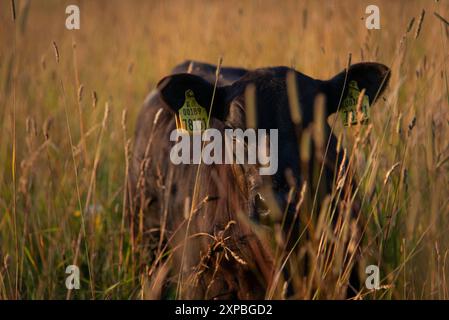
348,109
191,116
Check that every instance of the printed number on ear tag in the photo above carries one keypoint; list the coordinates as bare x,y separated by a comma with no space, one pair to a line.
348,110
191,116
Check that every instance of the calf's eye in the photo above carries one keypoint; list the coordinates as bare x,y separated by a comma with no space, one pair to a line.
261,205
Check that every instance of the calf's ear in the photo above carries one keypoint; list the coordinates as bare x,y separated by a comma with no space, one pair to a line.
176,89
373,77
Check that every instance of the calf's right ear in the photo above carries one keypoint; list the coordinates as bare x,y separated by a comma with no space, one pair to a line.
176,89
373,77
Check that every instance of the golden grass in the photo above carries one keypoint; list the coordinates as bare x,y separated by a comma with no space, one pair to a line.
64,158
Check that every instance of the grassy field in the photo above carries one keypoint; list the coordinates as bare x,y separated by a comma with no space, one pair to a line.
69,101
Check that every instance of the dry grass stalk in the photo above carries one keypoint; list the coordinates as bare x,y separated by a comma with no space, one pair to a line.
293,98
13,10
441,19
420,22
250,103
56,51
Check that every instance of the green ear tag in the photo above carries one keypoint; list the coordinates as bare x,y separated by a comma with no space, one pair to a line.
192,116
348,110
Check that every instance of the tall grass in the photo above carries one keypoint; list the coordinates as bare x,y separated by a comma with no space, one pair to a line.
64,157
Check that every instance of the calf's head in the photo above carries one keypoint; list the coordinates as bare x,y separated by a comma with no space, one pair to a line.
228,108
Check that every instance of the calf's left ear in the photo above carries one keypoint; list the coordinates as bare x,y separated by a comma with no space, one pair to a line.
341,89
176,89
